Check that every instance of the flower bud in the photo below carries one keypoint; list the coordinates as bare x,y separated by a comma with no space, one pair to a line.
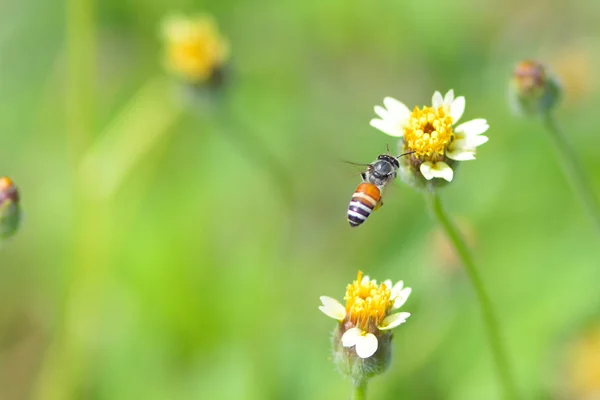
359,369
533,89
362,338
10,212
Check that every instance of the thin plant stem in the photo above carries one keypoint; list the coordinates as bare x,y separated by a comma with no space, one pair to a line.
572,168
360,391
490,320
60,370
258,153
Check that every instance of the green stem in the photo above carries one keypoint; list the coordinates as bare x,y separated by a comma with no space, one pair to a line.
490,320
360,391
572,168
257,152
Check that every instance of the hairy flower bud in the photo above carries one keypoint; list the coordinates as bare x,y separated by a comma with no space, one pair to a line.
10,212
362,339
533,89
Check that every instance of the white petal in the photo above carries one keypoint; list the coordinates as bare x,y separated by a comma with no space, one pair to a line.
401,298
457,109
468,142
396,109
392,321
397,289
366,345
437,100
332,308
438,170
388,284
365,280
461,154
449,98
473,127
350,337
386,127
426,170
381,112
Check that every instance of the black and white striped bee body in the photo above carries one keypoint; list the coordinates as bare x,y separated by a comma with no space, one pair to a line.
367,196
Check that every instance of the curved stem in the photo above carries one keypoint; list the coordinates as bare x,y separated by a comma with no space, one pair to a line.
490,320
360,391
572,168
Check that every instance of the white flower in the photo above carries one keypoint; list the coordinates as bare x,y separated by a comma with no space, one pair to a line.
368,312
432,133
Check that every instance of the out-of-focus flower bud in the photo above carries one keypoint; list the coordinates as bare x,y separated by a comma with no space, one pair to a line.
10,211
533,89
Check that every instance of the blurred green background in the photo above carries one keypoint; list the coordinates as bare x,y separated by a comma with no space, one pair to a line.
196,279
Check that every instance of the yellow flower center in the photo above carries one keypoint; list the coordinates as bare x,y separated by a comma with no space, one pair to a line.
428,132
367,304
194,48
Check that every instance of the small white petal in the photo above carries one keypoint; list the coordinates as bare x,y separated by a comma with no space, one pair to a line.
468,142
366,345
461,154
473,127
401,298
332,308
444,171
425,169
449,98
397,289
365,280
388,284
385,127
438,170
392,321
457,109
437,100
396,109
350,337
381,112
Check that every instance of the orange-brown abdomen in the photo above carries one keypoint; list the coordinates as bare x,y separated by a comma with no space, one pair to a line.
365,198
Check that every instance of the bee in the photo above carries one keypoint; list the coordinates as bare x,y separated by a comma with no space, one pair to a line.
367,196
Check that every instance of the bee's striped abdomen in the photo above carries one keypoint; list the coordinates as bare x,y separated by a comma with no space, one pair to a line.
365,198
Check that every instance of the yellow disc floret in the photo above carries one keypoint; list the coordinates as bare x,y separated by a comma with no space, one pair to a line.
367,303
428,132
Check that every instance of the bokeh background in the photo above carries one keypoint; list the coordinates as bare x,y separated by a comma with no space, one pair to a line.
174,249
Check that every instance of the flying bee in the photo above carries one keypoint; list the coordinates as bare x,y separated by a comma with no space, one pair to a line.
367,196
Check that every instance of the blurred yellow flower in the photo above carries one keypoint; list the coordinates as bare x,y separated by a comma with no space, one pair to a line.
430,134
195,49
583,366
367,313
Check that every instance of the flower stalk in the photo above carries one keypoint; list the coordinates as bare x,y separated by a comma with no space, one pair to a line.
360,391
572,168
490,320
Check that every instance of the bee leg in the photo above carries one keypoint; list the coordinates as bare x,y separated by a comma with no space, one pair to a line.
378,205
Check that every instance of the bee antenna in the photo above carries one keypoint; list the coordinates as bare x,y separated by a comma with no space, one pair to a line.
406,154
387,145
